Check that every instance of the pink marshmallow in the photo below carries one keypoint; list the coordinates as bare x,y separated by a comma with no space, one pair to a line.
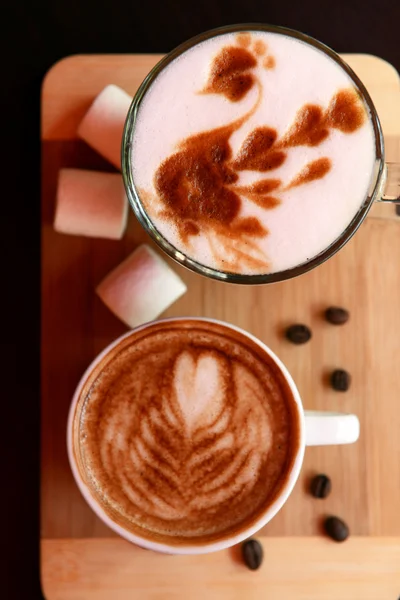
141,287
103,124
91,203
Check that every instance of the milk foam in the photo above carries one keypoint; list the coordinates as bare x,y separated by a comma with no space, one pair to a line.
310,217
186,433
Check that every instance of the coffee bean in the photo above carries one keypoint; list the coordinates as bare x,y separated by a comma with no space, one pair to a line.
336,529
337,315
252,553
298,334
321,486
398,214
340,380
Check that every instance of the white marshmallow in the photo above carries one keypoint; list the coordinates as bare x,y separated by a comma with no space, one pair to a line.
103,124
91,203
141,287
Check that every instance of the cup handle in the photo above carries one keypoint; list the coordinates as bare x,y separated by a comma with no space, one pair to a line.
391,190
330,428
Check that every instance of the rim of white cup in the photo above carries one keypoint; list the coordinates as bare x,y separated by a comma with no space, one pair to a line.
194,548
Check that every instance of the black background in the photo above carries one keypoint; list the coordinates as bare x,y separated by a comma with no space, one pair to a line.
33,36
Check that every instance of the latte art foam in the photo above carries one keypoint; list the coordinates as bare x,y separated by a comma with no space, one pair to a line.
252,152
187,432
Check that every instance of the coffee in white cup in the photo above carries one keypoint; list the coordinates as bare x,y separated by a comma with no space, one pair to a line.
187,435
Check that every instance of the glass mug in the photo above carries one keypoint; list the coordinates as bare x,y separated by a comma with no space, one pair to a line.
384,187
314,429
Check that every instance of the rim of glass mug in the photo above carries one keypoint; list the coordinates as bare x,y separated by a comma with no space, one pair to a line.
376,186
193,548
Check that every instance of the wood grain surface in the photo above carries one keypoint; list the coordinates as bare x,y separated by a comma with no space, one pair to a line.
295,568
76,326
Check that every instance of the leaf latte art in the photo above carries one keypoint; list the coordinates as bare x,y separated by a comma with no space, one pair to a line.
186,432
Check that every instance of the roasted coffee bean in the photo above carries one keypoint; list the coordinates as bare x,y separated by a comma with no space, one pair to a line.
340,380
337,315
398,214
298,334
336,529
252,553
321,486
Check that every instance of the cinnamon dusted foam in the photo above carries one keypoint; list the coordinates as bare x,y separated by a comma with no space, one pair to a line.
252,152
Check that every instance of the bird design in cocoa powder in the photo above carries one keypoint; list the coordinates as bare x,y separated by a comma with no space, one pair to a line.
198,187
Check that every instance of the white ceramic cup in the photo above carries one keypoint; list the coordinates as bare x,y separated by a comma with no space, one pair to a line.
316,429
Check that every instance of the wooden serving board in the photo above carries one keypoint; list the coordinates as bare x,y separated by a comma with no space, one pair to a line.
81,557
293,569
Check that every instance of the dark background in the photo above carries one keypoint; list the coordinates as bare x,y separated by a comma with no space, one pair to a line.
34,35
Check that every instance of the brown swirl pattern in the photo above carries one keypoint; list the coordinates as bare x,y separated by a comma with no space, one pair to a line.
197,187
186,432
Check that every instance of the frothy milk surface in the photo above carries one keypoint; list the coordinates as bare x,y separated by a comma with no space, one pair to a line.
252,152
186,432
